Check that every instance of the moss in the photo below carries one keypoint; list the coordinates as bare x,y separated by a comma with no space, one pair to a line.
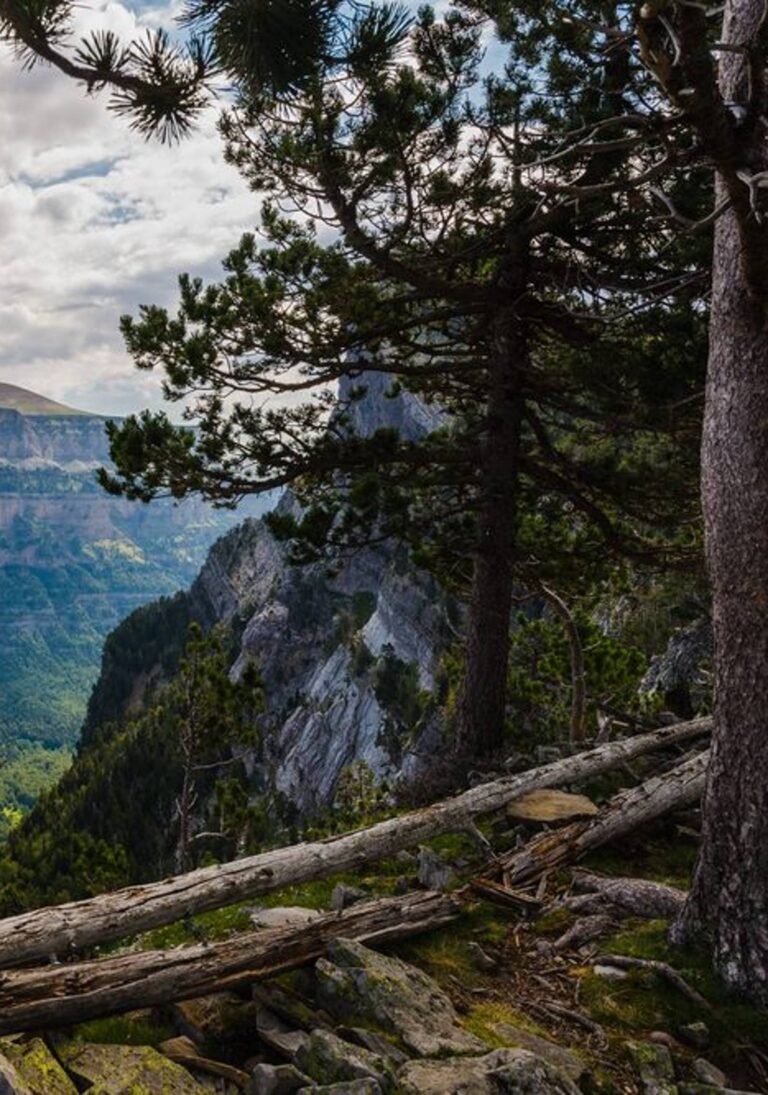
217,924
645,1001
444,954
554,922
483,1020
657,856
123,1030
36,1064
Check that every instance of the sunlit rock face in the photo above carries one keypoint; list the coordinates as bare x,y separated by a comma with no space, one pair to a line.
348,660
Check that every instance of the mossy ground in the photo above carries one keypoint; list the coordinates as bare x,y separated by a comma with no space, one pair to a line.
527,974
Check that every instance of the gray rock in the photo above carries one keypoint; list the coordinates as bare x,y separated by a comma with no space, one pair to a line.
277,1034
125,1070
654,1066
480,959
695,1034
374,1042
344,896
289,916
276,1080
514,1071
355,983
434,872
328,1059
707,1073
36,1066
556,1055
11,1083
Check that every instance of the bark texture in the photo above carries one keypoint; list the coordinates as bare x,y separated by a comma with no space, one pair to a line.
60,995
482,699
63,928
728,903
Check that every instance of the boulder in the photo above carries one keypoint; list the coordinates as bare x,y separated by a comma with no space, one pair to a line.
287,916
328,1059
37,1066
276,1080
277,1034
11,1083
515,1071
344,896
126,1070
655,1067
355,983
563,1059
707,1073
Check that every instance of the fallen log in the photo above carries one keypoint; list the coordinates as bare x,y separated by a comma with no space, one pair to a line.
624,897
61,929
61,995
678,787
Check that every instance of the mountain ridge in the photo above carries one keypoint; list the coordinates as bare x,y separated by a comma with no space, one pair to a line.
32,404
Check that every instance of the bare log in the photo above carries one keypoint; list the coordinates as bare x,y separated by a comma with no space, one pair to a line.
123,913
60,995
626,811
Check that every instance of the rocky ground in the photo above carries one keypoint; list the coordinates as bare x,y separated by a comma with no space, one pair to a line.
497,1002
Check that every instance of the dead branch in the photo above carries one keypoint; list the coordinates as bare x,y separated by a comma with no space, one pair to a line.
626,811
60,995
63,928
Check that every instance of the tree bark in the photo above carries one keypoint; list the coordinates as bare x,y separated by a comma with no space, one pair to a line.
626,811
62,928
60,995
728,902
482,698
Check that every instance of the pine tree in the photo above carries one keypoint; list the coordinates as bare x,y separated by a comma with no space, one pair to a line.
490,255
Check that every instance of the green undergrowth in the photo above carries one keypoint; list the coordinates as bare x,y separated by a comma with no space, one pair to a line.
124,1030
655,854
645,1001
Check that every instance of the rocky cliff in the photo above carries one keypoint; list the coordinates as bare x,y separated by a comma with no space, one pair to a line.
349,662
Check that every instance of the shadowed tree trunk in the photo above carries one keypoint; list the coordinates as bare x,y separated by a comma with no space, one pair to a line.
728,902
482,699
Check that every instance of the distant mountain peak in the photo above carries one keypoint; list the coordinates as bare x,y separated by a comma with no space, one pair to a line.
14,398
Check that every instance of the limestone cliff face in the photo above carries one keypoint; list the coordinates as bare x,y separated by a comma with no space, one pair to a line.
39,439
345,660
348,661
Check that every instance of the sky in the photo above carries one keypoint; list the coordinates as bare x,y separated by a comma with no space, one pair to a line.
94,221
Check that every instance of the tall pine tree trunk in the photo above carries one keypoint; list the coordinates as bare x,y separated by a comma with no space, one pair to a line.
728,903
482,698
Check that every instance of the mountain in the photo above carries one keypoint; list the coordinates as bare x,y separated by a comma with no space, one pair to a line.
74,562
13,398
351,664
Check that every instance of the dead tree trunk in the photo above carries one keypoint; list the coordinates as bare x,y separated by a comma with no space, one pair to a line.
64,928
625,812
60,995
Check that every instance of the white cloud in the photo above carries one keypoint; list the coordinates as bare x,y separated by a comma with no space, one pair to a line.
95,220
